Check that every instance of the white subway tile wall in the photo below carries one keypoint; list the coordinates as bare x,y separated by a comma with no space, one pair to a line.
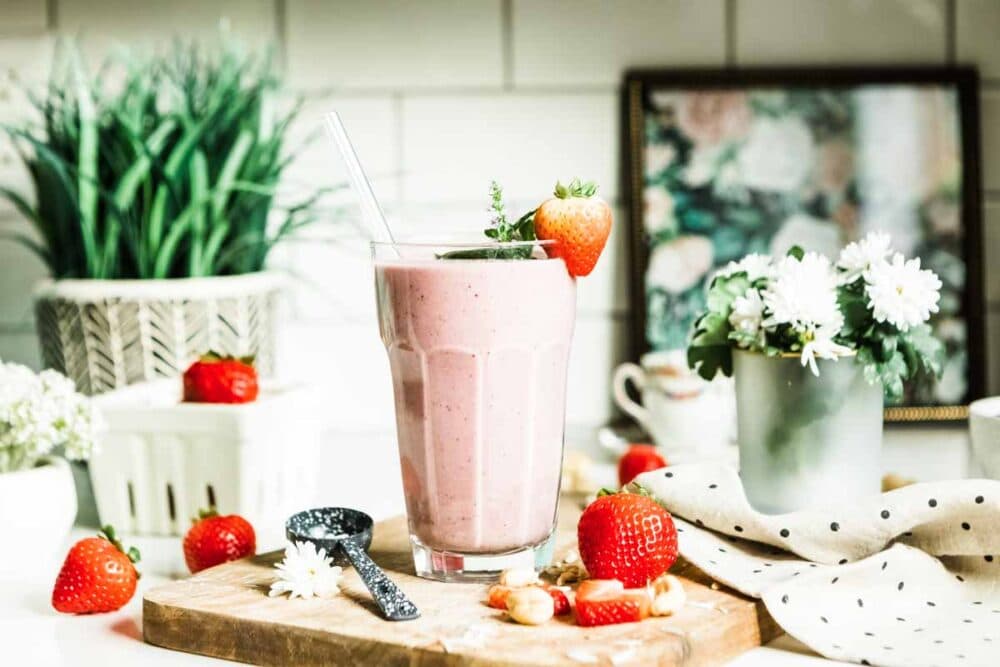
991,227
24,64
21,16
978,35
441,96
990,123
840,31
373,124
394,44
20,271
104,26
454,144
590,42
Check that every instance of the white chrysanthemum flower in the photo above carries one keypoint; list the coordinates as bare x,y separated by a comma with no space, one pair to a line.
755,265
748,313
857,258
306,573
901,293
803,294
822,346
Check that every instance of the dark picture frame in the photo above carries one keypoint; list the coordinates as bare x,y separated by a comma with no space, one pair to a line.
637,105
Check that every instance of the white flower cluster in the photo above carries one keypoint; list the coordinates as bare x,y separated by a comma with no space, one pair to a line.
39,413
899,291
800,296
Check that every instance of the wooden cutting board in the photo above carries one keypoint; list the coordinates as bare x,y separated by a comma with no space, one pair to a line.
225,612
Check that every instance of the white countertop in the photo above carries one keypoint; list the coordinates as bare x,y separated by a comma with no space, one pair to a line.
31,633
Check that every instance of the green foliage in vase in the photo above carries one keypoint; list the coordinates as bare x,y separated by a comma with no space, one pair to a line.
867,305
170,172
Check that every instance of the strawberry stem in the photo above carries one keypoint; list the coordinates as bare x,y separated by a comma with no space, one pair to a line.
108,533
205,513
212,356
576,188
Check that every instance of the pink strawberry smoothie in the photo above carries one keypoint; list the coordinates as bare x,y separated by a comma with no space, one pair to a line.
478,351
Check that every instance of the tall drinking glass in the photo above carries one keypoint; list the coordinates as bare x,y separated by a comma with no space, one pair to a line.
478,346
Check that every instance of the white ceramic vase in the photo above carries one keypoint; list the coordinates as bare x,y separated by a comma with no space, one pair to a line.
806,441
37,510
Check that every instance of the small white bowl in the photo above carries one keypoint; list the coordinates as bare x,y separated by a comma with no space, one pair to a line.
984,429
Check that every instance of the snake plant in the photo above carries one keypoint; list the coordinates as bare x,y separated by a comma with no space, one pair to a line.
160,167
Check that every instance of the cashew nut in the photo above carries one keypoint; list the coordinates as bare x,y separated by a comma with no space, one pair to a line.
530,605
668,595
518,577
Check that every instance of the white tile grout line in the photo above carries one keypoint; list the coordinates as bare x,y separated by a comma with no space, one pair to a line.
457,91
16,328
507,43
950,32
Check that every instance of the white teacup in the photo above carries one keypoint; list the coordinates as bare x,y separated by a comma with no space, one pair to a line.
984,431
689,418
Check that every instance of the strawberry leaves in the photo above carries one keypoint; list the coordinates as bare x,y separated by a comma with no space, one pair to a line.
576,188
108,533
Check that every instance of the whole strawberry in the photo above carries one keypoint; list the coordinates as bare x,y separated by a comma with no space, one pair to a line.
215,539
637,460
97,576
627,536
218,379
578,221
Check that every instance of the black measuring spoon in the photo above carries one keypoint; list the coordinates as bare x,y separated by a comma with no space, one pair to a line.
344,530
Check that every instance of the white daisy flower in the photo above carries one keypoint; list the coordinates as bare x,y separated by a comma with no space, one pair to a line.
755,265
901,293
306,572
803,294
748,312
821,346
857,258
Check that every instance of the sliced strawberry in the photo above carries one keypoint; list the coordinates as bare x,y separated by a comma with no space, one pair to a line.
497,596
559,599
606,602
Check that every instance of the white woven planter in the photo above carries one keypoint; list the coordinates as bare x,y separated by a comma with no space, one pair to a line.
162,460
105,334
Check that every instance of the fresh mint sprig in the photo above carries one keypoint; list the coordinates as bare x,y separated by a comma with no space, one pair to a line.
502,231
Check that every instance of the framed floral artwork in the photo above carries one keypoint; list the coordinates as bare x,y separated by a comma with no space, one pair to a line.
722,163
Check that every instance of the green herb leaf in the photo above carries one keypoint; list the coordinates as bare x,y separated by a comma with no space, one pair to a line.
501,231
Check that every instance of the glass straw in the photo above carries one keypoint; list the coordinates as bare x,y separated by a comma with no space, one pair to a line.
371,212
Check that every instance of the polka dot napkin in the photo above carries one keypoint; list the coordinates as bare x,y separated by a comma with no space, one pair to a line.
911,578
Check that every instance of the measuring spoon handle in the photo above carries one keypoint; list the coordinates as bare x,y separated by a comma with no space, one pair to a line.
390,599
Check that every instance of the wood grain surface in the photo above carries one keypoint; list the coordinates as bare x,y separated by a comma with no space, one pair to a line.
225,612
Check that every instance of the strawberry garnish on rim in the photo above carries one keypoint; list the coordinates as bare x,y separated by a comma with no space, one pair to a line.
578,222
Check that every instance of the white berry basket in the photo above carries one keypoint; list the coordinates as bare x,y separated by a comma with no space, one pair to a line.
162,460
